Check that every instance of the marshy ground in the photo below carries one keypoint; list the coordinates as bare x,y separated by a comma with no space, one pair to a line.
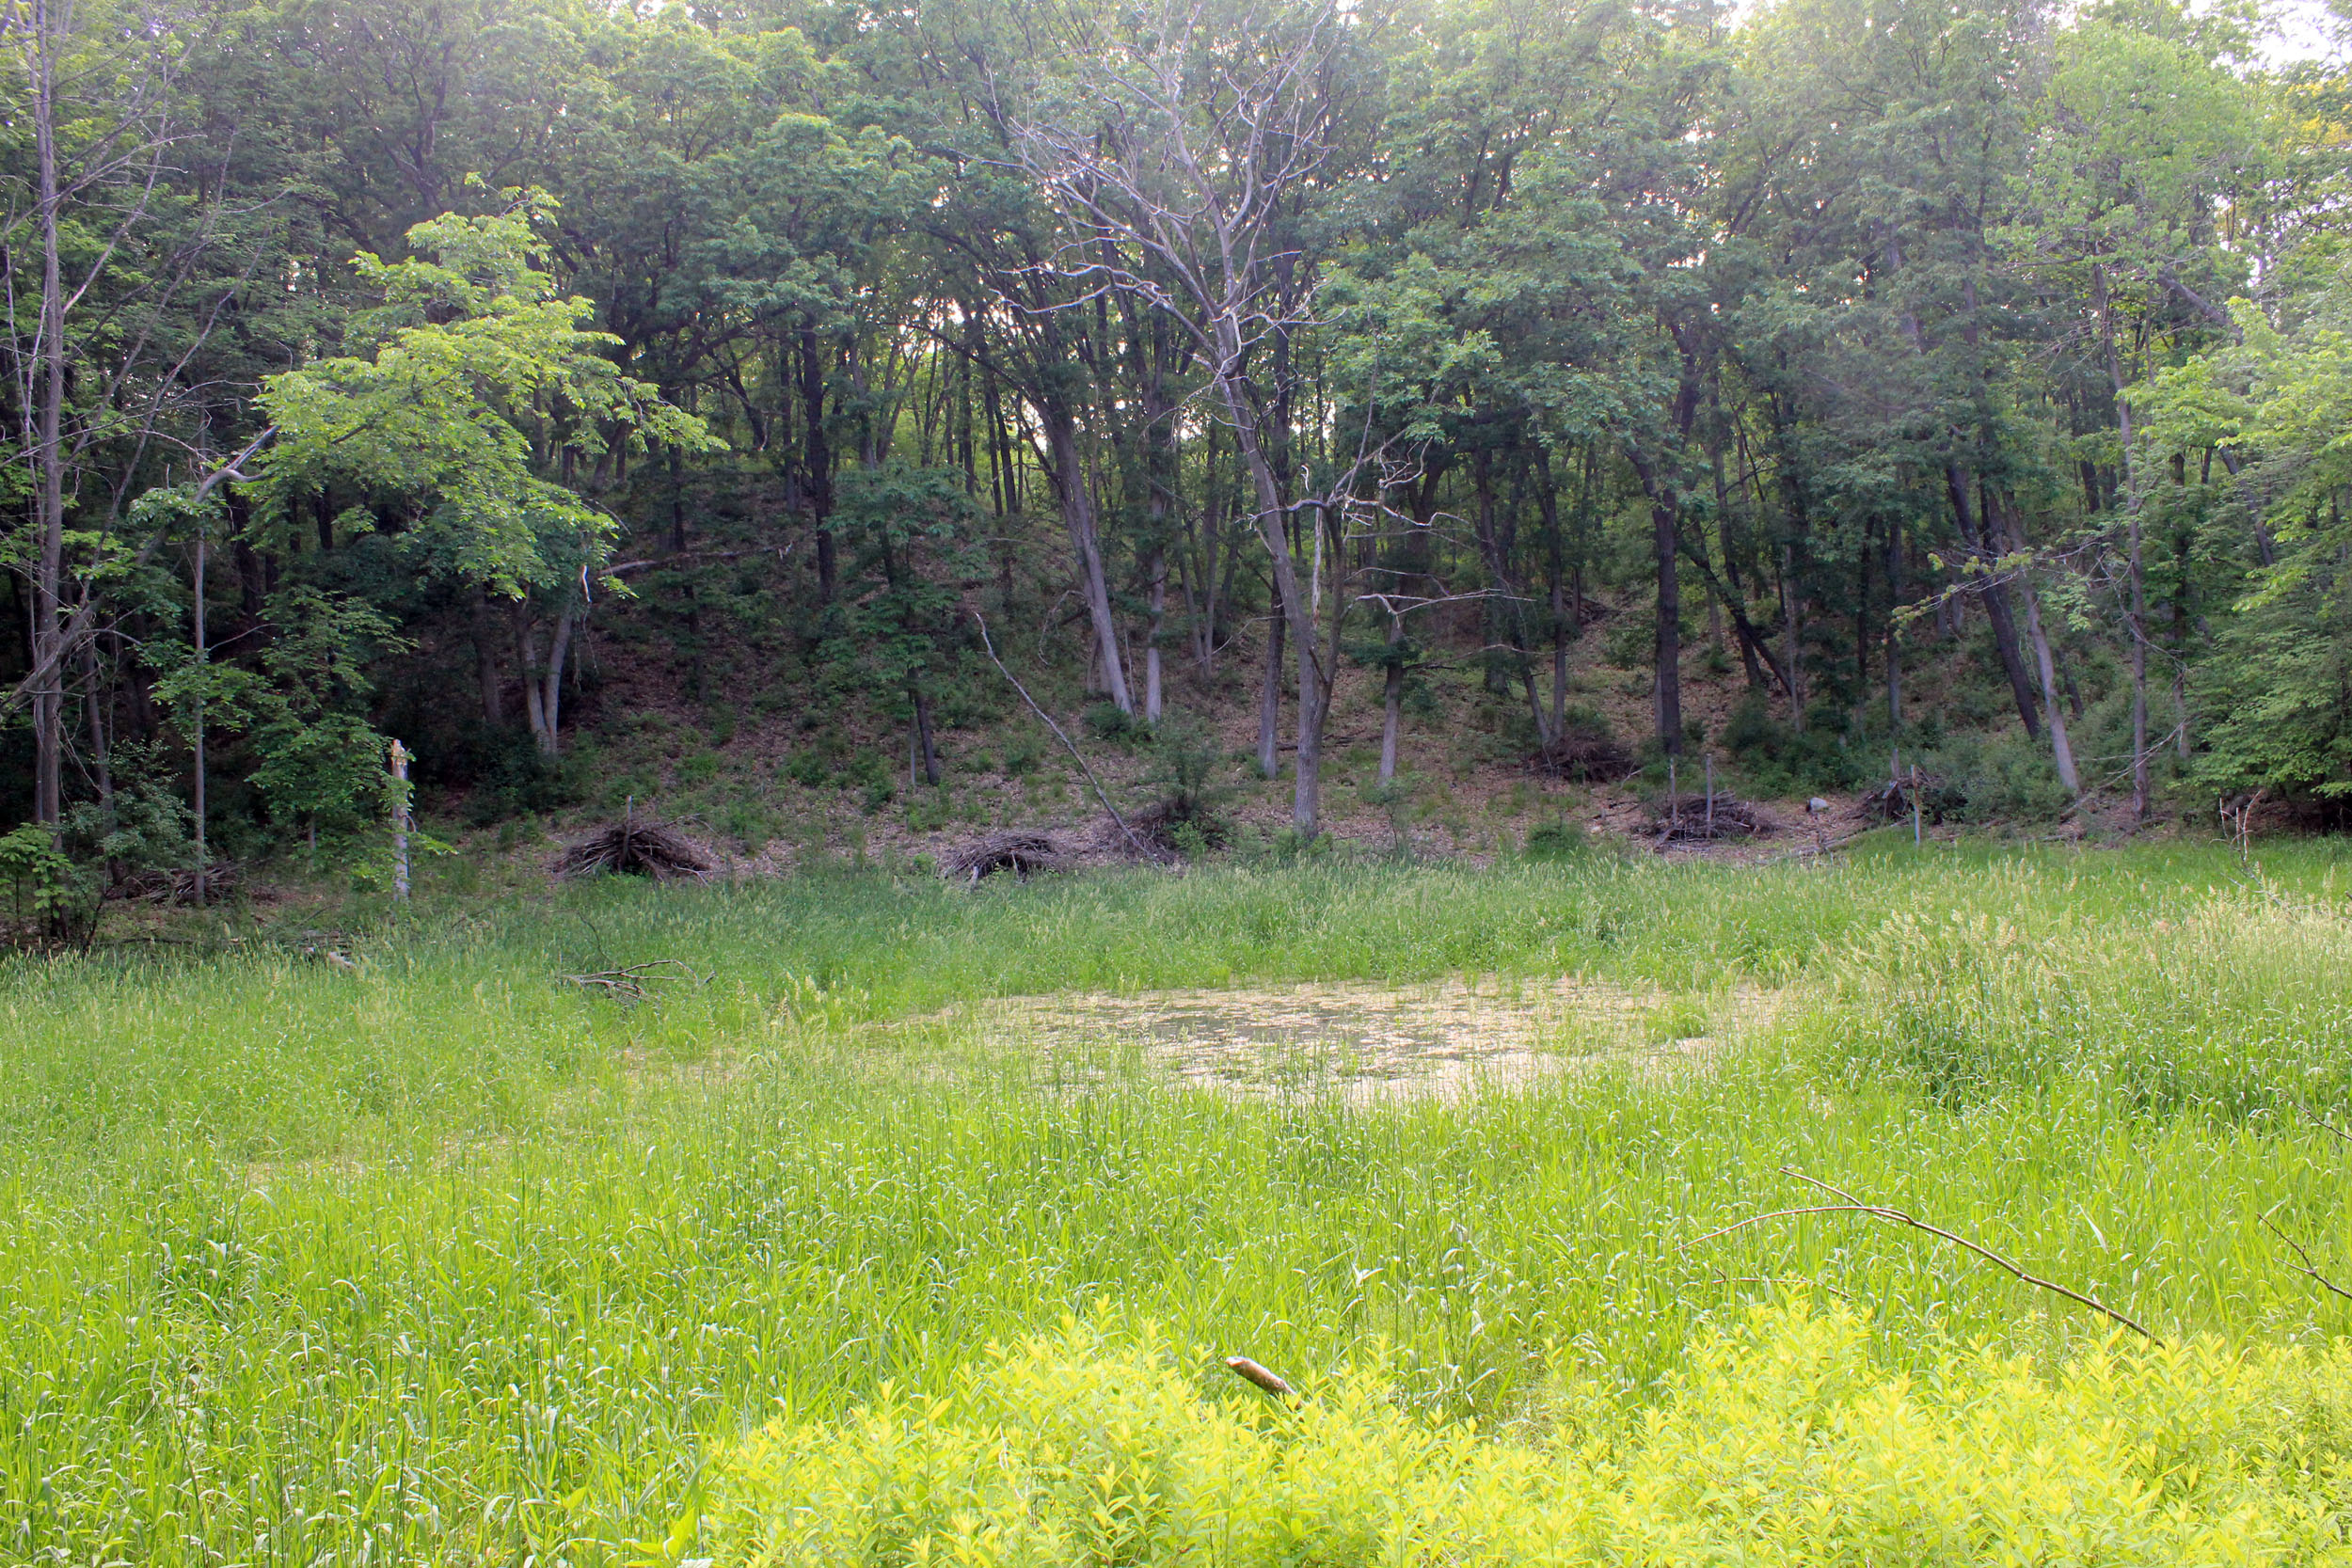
438,1257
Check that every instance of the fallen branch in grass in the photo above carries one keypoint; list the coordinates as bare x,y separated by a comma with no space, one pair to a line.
2303,1266
1896,1216
1250,1371
633,982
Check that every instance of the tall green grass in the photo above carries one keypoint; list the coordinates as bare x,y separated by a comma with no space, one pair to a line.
440,1259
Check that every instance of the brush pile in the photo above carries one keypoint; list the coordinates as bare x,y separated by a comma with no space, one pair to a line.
176,885
1582,754
1169,827
635,846
1935,796
1023,853
1694,819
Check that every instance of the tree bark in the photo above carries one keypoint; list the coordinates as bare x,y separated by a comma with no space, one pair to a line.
1665,526
1985,547
552,700
204,852
1157,573
2103,300
816,461
48,703
1270,701
1069,477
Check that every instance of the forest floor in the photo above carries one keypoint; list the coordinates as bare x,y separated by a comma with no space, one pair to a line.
401,1241
768,787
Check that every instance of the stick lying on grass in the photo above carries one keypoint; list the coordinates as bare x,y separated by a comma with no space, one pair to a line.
632,980
1896,1216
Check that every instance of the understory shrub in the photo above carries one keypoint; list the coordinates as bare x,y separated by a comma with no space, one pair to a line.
1781,1442
2004,779
1776,760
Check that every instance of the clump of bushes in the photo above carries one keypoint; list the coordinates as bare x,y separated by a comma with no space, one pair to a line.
1191,775
1777,760
1782,1442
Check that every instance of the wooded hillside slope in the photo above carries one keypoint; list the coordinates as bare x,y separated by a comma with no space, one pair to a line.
1404,402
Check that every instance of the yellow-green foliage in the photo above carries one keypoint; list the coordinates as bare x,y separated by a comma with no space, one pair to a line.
1781,1444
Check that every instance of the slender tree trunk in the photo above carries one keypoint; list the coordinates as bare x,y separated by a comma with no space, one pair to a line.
1077,510
203,851
2061,750
1158,573
1792,636
48,703
551,702
1392,698
534,695
1313,697
1270,701
1665,543
1986,546
100,751
817,460
1894,642
2103,303
2006,530
925,748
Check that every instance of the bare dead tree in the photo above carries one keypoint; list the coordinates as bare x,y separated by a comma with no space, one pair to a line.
1174,160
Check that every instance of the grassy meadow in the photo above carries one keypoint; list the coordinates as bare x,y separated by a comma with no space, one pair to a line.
422,1254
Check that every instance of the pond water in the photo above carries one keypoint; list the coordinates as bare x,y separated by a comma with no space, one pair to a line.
1364,1042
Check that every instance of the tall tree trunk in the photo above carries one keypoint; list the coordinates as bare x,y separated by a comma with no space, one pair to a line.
1894,642
100,750
1270,700
552,700
1986,547
1665,536
2103,301
2007,534
48,702
816,461
1158,575
527,663
1069,477
1314,696
1393,697
203,851
1792,636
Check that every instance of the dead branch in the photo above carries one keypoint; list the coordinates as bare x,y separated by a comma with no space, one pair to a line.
633,982
2303,1264
1141,848
1896,1216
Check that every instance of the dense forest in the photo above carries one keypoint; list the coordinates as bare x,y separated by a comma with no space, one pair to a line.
1956,385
